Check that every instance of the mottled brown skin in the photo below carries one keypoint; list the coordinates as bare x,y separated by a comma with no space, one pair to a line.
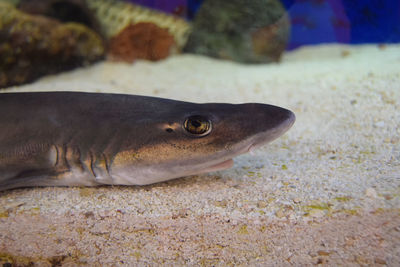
74,138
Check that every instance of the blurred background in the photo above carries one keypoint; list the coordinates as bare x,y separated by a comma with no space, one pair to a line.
41,37
320,21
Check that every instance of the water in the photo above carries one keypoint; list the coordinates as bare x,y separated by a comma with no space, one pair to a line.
322,21
325,192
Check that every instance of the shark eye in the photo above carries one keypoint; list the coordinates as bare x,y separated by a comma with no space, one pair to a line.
197,125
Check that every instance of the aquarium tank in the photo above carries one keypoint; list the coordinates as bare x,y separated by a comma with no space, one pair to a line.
199,133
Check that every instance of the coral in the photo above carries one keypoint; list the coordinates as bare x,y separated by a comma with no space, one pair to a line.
62,10
33,46
13,2
111,16
251,32
114,16
143,40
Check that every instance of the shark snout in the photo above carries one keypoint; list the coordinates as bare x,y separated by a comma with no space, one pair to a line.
265,117
272,122
288,122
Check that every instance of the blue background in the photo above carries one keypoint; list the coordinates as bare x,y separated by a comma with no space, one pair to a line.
321,21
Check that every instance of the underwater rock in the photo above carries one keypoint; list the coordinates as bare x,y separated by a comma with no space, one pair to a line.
62,10
245,31
143,40
33,46
114,16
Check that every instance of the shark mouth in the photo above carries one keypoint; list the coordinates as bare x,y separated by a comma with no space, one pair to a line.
219,166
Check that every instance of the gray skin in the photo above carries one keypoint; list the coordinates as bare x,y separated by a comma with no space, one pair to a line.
89,139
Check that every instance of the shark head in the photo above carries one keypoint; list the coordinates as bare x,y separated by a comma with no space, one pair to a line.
184,139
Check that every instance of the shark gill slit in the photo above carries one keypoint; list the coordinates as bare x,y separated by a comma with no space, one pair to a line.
106,164
57,155
64,156
92,163
79,159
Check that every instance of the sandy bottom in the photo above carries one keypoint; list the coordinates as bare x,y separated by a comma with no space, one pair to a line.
327,192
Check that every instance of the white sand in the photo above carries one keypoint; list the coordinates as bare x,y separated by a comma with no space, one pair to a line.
326,192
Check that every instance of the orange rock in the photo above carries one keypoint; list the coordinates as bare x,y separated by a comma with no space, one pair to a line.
143,40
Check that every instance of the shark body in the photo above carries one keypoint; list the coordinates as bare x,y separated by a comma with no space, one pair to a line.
89,139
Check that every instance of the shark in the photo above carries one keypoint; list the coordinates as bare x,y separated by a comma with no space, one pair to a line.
91,139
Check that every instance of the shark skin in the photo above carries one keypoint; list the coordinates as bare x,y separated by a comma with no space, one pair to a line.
90,139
